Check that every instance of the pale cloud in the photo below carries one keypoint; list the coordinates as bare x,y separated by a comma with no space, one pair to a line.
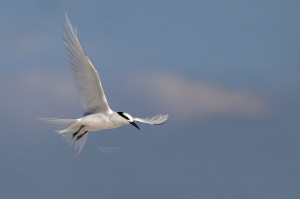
187,98
29,43
45,94
57,86
38,94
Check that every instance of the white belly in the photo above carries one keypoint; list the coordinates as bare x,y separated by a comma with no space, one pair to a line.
97,122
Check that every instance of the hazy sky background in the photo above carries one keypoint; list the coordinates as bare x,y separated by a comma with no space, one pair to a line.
226,71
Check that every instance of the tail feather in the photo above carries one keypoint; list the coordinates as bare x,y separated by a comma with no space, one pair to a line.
59,122
69,127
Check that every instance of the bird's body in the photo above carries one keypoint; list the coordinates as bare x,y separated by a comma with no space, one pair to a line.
98,115
101,121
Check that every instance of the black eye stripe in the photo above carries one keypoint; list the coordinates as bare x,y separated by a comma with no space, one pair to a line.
122,114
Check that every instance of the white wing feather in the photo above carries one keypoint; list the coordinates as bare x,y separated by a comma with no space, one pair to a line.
155,120
86,77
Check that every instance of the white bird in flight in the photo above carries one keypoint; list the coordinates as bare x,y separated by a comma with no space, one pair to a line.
98,115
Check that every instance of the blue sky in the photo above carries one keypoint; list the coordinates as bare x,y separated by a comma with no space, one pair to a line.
226,71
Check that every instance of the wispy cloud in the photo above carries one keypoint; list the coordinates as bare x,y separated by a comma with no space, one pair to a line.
195,98
34,94
29,43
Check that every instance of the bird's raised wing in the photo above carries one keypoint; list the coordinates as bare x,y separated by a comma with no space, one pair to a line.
86,77
155,120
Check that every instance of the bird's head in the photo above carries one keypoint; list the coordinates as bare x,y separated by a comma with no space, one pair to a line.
128,118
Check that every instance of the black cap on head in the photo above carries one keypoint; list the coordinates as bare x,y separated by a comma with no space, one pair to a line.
125,116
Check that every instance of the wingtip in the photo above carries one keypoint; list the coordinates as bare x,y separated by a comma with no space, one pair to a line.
66,16
165,118
68,22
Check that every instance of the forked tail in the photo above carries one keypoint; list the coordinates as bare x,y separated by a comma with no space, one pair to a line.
71,130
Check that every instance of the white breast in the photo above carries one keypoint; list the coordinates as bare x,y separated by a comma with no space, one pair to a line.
99,121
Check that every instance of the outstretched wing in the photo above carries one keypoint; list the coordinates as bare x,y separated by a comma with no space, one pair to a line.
86,77
155,120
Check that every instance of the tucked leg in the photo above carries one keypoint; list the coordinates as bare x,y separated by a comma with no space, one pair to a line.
81,135
74,134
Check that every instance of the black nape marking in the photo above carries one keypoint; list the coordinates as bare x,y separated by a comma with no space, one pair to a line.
124,116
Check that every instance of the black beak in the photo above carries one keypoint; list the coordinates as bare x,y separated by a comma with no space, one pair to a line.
134,124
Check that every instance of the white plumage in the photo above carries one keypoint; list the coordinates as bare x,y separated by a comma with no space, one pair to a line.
98,115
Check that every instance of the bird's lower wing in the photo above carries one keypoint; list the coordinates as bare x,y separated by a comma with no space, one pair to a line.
155,120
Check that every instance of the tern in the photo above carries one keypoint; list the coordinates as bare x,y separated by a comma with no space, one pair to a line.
98,115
